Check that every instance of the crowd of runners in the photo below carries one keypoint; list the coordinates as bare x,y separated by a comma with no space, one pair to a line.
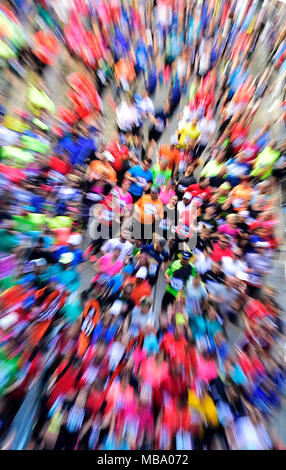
126,265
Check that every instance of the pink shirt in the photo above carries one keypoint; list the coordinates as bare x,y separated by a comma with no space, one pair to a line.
107,266
125,201
152,374
165,196
206,370
226,228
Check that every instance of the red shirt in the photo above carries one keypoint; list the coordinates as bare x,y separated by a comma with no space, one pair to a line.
175,348
251,366
197,191
94,401
59,165
255,309
119,152
65,384
238,135
219,252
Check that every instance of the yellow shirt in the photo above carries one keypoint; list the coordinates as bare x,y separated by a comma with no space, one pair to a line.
205,406
189,132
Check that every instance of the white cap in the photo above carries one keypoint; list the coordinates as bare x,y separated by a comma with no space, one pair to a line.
116,308
244,213
108,156
242,276
262,244
142,273
75,239
9,320
187,196
40,262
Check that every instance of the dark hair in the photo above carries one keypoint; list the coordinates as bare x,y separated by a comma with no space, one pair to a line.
147,160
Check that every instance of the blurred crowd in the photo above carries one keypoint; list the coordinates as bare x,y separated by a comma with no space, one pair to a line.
134,274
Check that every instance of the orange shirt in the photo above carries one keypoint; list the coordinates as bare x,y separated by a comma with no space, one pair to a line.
142,289
124,69
166,153
241,197
103,170
148,209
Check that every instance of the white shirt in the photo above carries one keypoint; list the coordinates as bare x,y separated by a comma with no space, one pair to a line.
7,136
250,437
202,262
126,116
231,267
182,207
125,247
207,129
146,105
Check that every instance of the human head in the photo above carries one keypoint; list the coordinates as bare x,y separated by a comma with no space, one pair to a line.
185,257
141,274
159,245
164,164
154,193
187,198
146,163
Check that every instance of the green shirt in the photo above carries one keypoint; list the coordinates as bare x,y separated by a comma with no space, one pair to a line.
9,367
212,169
8,241
264,163
72,311
179,274
160,177
69,278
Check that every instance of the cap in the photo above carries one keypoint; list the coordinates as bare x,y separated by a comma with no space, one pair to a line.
244,213
186,255
242,276
225,185
40,262
75,239
142,273
66,258
146,300
187,196
9,320
108,156
262,244
116,308
180,319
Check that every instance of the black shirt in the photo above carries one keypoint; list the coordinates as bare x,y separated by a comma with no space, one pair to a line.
183,183
211,276
209,223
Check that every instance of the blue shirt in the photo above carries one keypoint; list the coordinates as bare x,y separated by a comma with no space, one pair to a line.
264,140
115,283
141,55
237,78
78,257
152,79
235,171
37,202
176,93
78,150
143,177
159,257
